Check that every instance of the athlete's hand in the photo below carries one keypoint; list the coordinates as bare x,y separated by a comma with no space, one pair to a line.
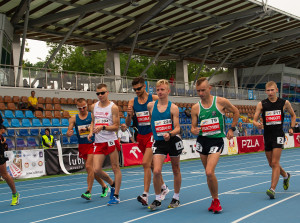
259,125
97,129
130,111
90,137
195,131
166,136
229,134
291,131
70,132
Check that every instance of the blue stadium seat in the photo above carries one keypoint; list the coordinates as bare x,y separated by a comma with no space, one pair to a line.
26,122
55,122
5,123
15,123
42,132
73,139
125,114
10,132
65,140
55,131
36,123
122,120
188,121
23,132
29,114
8,114
64,131
9,143
64,122
34,132
19,114
46,122
20,142
31,142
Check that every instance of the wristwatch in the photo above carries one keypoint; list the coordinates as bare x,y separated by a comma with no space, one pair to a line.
233,128
104,127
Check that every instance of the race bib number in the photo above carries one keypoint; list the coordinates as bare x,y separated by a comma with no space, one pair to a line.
210,126
84,131
111,143
153,149
163,126
179,145
199,147
143,118
280,140
151,139
213,149
101,121
273,117
6,154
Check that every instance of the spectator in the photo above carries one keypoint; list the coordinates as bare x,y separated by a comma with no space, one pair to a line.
47,140
32,102
124,135
241,130
187,111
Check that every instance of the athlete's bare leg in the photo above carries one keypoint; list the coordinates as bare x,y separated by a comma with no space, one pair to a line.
175,161
158,161
9,180
114,161
90,172
98,163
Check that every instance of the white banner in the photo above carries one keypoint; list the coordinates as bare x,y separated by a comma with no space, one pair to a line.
189,151
26,163
289,141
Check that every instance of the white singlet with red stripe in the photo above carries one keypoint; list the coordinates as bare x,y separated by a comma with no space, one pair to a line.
103,116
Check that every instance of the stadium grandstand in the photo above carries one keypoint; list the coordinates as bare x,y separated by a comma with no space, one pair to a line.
256,42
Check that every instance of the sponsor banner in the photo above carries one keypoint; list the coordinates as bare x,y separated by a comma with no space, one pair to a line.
289,141
189,151
231,146
132,155
26,163
297,139
249,144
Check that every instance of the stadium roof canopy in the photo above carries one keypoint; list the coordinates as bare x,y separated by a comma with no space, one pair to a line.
240,33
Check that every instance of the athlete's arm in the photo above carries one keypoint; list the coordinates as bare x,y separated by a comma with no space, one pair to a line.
258,111
150,108
194,114
115,118
92,123
290,109
70,131
175,120
129,112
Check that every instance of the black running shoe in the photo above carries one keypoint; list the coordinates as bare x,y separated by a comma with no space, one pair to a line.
155,204
174,203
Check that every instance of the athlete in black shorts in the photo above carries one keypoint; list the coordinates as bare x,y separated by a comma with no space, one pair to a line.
272,110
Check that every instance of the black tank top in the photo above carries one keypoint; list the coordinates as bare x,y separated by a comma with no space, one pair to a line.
273,116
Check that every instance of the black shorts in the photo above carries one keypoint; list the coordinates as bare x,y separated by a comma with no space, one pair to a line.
173,147
2,158
274,141
206,146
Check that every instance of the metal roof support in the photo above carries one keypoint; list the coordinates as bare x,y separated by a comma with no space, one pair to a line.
197,25
265,49
254,68
48,19
220,34
60,45
221,64
131,51
262,77
20,11
157,55
298,64
157,8
23,42
202,63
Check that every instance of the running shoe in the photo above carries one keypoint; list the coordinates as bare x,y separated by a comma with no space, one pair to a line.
87,195
112,192
174,203
15,199
155,204
271,193
164,193
105,191
113,201
286,182
211,208
217,206
143,199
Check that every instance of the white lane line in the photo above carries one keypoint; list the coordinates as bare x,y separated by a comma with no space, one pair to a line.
262,209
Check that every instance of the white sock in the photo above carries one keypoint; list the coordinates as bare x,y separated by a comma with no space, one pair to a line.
176,196
163,186
157,197
146,193
287,176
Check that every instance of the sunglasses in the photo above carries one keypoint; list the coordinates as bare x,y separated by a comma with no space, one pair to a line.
102,93
138,89
83,107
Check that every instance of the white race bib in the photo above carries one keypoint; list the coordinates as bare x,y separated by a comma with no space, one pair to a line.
163,126
210,126
143,118
273,117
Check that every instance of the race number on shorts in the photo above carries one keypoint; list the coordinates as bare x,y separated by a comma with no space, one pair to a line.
111,143
280,140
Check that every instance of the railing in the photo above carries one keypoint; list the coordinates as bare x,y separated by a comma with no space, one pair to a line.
80,81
